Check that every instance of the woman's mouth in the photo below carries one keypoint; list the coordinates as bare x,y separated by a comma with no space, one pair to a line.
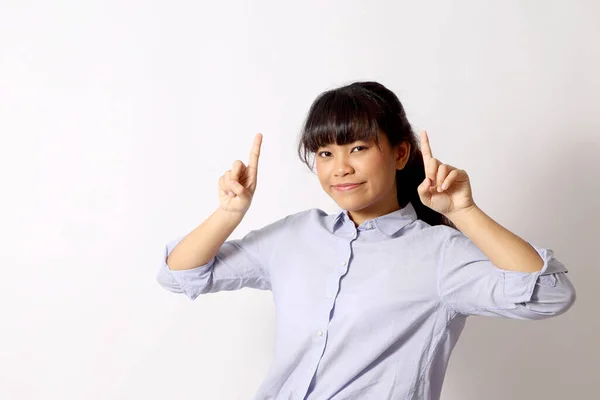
347,188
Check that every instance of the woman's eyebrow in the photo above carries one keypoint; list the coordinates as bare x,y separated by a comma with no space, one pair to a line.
347,144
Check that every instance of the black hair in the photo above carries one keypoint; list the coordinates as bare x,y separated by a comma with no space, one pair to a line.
360,111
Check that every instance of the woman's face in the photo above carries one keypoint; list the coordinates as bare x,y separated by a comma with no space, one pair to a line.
365,164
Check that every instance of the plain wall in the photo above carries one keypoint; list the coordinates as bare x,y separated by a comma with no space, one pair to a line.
118,117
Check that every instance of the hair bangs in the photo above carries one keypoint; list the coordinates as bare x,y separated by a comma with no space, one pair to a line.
340,118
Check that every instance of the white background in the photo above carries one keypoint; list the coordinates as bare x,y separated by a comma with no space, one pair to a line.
118,117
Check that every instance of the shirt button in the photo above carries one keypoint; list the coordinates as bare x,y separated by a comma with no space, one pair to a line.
344,263
320,333
369,225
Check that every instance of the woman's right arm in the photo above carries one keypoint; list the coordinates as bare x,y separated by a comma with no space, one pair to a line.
202,244
236,190
205,261
238,263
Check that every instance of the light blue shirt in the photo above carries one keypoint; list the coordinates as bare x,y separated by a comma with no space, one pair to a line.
369,312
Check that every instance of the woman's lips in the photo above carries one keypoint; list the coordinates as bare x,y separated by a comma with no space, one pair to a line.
347,188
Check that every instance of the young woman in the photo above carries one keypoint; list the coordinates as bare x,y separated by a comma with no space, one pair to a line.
369,300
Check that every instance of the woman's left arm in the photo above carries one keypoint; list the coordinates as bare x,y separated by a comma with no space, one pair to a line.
487,269
534,284
504,249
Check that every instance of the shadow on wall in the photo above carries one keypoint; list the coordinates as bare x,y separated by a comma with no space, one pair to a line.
557,358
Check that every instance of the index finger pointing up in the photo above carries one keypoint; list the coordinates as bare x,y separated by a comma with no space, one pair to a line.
425,148
254,154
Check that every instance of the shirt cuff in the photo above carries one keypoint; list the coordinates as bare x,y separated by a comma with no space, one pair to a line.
182,277
519,286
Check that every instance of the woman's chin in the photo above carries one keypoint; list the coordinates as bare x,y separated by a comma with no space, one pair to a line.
350,202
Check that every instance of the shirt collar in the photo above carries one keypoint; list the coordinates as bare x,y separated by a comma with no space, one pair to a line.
388,224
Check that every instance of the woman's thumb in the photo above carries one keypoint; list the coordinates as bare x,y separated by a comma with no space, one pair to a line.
423,189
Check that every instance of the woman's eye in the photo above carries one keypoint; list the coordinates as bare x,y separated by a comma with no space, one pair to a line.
327,153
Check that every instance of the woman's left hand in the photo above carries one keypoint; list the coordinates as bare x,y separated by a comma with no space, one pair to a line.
446,189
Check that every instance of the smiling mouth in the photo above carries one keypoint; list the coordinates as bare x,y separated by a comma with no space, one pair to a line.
347,188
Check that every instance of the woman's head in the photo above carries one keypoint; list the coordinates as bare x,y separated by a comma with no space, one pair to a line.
359,133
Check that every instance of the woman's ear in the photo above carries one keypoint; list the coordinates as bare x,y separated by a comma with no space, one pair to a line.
402,153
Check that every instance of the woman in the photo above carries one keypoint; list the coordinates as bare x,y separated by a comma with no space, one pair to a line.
369,300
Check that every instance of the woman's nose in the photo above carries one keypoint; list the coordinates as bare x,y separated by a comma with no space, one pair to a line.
343,167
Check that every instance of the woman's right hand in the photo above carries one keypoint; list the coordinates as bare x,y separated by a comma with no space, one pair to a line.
237,185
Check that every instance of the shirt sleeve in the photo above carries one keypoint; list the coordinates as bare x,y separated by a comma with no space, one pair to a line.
239,263
470,284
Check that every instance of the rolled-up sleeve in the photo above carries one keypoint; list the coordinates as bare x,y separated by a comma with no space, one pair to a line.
470,284
239,263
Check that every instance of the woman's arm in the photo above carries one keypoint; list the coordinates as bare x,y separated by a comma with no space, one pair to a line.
504,249
203,243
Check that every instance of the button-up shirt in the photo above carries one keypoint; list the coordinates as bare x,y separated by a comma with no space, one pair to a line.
369,312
